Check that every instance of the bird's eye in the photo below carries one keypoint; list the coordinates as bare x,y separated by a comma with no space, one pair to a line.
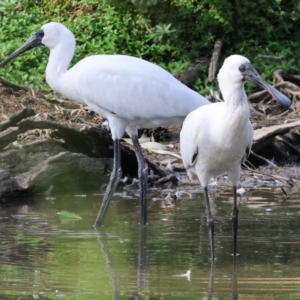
40,33
242,68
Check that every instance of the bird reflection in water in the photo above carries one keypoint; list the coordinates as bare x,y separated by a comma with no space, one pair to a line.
112,270
142,263
110,265
142,269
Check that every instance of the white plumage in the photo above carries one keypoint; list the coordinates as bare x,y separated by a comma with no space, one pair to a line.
130,92
217,138
219,133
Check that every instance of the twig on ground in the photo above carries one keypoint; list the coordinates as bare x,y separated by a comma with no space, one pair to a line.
292,76
277,76
288,179
265,159
272,176
289,145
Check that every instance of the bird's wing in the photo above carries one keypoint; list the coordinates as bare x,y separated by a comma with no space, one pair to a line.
192,127
249,140
131,88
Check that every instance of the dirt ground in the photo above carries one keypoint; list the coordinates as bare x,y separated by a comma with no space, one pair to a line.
278,167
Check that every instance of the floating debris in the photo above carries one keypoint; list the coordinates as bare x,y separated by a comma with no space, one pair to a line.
187,275
50,198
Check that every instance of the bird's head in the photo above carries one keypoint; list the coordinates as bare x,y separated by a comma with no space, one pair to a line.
54,34
230,71
51,35
237,69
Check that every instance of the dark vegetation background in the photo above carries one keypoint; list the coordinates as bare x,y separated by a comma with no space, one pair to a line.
170,33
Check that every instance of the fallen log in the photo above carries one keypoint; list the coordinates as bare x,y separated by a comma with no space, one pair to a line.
16,118
32,151
271,131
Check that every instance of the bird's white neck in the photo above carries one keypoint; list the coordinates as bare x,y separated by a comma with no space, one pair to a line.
234,96
58,63
237,107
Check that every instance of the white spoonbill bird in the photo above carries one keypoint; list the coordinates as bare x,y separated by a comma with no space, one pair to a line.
130,92
217,138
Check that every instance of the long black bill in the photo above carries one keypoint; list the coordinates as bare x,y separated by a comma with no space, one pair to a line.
34,41
250,74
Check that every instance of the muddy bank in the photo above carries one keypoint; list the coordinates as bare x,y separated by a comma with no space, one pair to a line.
43,136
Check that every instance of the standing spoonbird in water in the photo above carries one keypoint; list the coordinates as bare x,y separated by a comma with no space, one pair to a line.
217,138
129,92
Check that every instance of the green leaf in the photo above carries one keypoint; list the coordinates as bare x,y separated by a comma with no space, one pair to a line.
69,215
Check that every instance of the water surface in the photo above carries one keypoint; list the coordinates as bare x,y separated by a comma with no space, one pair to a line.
44,256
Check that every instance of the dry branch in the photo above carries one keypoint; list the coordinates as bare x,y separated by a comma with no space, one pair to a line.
16,118
77,140
277,76
289,86
265,159
271,57
289,145
65,103
271,131
256,97
292,76
214,61
272,176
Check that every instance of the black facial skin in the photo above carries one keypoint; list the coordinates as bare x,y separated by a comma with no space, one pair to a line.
250,74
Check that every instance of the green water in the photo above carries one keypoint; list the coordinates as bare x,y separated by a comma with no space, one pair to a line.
44,256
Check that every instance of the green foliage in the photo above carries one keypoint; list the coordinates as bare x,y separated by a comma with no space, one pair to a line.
164,32
144,4
7,6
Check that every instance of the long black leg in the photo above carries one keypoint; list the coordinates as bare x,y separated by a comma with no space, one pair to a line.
143,179
235,217
210,224
113,182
